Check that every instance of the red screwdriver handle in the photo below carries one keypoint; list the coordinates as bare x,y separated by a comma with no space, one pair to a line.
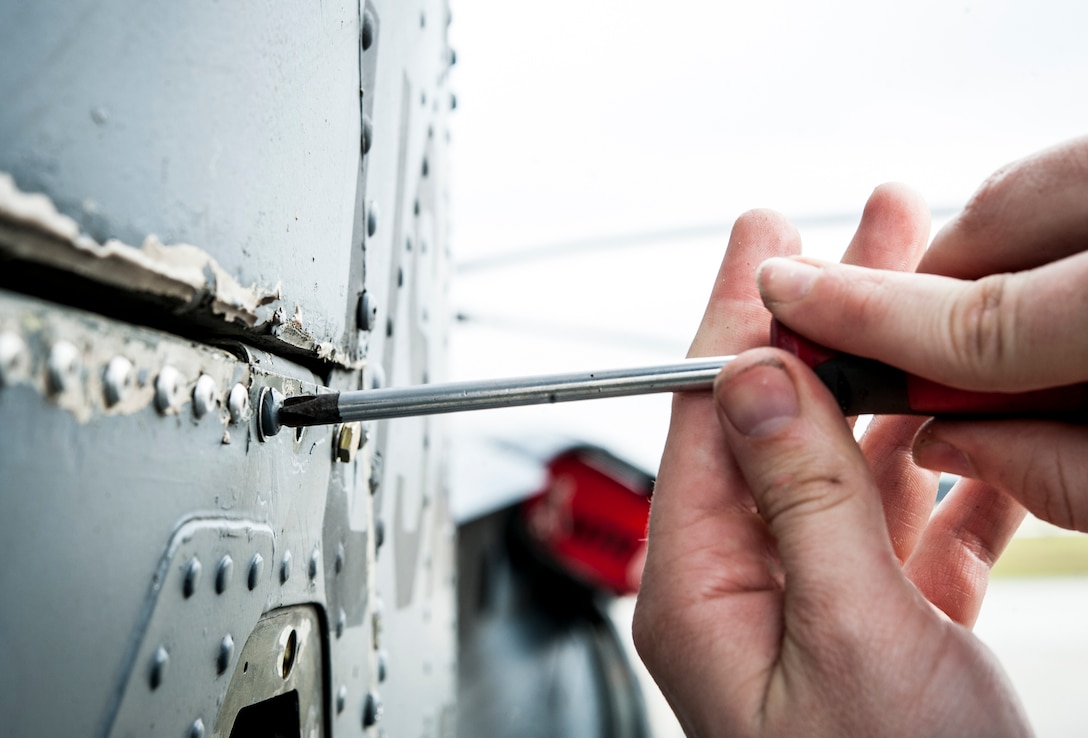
865,386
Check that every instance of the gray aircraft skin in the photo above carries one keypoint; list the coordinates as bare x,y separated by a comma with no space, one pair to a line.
204,205
199,202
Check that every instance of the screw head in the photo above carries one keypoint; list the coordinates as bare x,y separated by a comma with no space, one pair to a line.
196,730
63,367
285,567
205,396
256,568
315,564
159,661
366,312
366,36
368,135
372,709
270,403
118,379
192,577
168,390
14,358
371,218
348,441
238,403
223,574
341,698
226,652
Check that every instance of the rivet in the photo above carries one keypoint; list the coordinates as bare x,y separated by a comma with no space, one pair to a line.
192,577
341,622
315,562
383,665
256,566
389,328
453,101
368,135
226,652
379,534
285,567
338,566
270,403
426,167
453,57
365,312
366,37
63,367
400,276
223,574
14,358
168,390
196,730
159,661
371,218
372,709
117,379
341,698
204,396
238,403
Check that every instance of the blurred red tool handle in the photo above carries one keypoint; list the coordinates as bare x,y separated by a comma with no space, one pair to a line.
866,386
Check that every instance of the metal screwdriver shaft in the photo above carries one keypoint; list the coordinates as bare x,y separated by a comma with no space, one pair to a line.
451,397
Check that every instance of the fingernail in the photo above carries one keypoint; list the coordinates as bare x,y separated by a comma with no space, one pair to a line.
930,453
785,280
760,400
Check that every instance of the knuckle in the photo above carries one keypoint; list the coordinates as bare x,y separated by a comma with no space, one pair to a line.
981,331
801,494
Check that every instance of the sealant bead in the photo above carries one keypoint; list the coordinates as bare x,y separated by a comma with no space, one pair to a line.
63,367
226,652
238,403
205,394
168,390
14,358
118,379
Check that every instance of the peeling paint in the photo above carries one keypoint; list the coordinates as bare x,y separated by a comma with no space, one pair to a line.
185,276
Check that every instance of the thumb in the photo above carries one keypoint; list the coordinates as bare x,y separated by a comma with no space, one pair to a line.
809,480
1006,332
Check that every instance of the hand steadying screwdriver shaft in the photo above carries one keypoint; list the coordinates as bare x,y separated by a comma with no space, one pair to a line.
861,386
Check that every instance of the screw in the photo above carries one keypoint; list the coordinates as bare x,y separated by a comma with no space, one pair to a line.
338,566
205,394
256,566
371,218
315,562
168,390
159,661
196,730
14,359
223,573
341,622
226,651
63,367
192,577
238,403
118,379
366,37
341,698
365,312
383,665
368,135
285,567
270,403
372,709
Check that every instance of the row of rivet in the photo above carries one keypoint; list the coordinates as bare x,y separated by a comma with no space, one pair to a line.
64,367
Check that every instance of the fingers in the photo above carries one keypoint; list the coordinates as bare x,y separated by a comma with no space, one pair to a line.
1006,332
1029,213
809,480
893,232
1042,464
969,530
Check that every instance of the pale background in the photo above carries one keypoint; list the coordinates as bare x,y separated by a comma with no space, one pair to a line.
582,120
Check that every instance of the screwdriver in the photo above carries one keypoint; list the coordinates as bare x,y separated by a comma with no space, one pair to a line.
861,386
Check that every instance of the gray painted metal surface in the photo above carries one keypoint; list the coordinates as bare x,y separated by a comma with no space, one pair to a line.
153,541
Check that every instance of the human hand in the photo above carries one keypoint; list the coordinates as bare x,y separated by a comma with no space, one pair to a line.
1009,313
788,569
